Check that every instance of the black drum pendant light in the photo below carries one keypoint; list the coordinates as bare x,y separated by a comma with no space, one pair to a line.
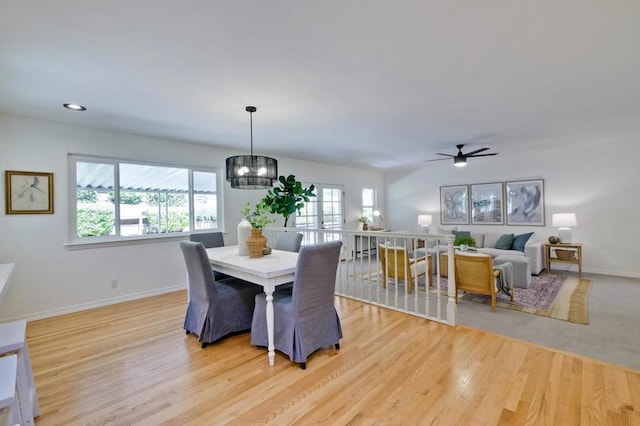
251,171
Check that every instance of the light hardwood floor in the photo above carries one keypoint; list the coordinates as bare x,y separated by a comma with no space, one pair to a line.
132,363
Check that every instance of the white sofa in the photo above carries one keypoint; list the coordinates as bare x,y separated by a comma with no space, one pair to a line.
525,263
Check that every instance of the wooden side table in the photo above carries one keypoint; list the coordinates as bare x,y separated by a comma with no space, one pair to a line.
575,260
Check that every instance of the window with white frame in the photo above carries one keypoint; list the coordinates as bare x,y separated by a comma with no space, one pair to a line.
118,199
368,203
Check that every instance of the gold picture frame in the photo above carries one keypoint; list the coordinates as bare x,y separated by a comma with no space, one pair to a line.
28,192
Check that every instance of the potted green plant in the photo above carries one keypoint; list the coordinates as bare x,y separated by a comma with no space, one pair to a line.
464,242
364,221
288,198
258,218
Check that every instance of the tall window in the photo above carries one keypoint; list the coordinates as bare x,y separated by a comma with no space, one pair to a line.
368,203
116,198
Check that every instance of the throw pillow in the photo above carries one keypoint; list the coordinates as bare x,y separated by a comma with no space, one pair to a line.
504,242
520,241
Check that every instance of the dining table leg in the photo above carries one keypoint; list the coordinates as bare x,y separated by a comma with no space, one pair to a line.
271,339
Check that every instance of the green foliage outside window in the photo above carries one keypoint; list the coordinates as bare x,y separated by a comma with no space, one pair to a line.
173,200
87,196
94,222
178,220
127,197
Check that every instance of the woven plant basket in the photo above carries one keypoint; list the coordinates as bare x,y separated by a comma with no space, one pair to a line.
565,254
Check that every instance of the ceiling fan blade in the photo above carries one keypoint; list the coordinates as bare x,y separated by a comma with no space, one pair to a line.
438,159
482,155
468,154
448,155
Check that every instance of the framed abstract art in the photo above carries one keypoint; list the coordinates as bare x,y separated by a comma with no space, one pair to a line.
525,202
454,205
487,204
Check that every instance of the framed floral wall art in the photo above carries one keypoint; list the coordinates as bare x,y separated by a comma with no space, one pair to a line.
525,202
487,204
454,205
28,192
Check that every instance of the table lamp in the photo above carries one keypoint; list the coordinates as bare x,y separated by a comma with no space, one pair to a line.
564,222
425,220
376,213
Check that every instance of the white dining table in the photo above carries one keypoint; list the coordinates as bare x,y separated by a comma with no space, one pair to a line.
268,271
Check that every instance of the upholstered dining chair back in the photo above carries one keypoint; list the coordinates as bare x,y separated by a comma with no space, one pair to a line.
305,319
209,239
475,274
215,308
289,241
314,283
200,277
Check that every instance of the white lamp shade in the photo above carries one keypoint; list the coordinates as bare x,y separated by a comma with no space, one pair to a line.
564,220
425,219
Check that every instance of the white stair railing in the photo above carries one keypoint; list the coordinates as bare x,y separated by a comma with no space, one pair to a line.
360,270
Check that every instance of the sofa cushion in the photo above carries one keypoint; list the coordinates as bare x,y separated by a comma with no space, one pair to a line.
520,241
479,239
490,239
504,242
493,252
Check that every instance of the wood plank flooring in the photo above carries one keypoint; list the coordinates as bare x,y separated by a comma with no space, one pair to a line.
132,363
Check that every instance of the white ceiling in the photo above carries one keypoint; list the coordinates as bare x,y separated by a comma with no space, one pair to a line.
382,84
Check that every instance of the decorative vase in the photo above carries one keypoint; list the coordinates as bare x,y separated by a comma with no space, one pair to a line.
256,243
244,229
464,247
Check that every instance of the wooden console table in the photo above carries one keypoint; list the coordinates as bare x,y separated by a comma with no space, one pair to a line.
575,260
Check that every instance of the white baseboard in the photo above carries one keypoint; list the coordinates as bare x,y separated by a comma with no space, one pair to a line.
97,303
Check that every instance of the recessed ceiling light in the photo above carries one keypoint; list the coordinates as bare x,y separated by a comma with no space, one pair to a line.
74,107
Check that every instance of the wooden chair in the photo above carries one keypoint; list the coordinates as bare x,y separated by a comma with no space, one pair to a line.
396,263
475,274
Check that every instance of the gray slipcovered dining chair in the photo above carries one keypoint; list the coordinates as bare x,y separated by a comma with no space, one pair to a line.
289,241
211,239
216,308
305,320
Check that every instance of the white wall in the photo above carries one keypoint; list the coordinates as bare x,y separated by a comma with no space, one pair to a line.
598,181
50,279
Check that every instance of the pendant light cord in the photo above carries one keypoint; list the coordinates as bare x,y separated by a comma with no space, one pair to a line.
251,124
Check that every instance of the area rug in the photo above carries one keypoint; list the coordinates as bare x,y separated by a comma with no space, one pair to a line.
552,296
548,295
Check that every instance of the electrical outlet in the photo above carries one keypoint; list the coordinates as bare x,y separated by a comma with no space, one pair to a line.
114,283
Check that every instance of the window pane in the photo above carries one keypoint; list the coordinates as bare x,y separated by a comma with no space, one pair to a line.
368,197
205,200
95,210
368,203
153,199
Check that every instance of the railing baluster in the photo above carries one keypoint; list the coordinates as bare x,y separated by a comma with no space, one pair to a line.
360,274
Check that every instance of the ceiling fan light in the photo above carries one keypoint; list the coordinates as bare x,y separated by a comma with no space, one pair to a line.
459,161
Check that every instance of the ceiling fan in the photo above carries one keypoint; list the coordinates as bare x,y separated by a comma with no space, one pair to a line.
460,159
